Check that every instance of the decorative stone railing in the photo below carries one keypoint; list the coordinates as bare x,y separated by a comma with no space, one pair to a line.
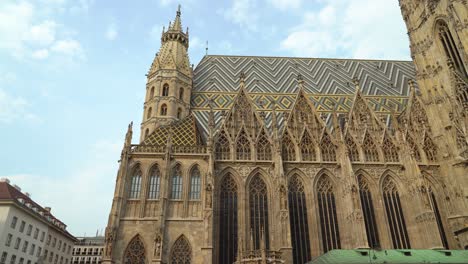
189,149
162,149
260,256
147,149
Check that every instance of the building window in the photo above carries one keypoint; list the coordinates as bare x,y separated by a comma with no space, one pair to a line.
179,113
21,261
258,209
25,246
368,211
328,149
390,151
298,221
438,217
8,240
181,252
163,110
51,257
287,148
165,91
352,149
56,259
371,154
148,115
146,133
181,93
13,259
29,230
54,242
430,149
22,226
42,236
49,238
36,233
33,248
328,217
263,147
17,243
307,147
39,251
450,47
135,184
59,245
154,183
151,93
14,220
195,184
3,258
176,191
222,149
395,215
135,252
243,151
228,220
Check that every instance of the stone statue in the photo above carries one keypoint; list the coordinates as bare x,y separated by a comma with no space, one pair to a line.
157,245
283,199
109,239
209,198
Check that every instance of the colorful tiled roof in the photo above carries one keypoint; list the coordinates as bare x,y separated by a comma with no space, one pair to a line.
184,133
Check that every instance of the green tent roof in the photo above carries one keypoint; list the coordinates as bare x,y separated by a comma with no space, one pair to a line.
393,256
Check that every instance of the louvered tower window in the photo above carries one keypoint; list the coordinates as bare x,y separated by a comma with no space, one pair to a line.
176,183
150,110
352,148
222,150
258,203
390,151
181,252
368,211
395,216
135,252
163,110
370,149
263,147
440,225
307,148
328,217
298,221
154,183
228,220
195,184
328,149
165,91
450,48
243,151
430,149
135,184
288,150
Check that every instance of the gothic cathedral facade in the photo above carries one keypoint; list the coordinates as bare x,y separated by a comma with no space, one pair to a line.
244,159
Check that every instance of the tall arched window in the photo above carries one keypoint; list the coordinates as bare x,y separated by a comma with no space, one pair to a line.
135,184
450,47
151,93
298,221
179,113
163,109
135,252
368,211
222,149
288,150
258,205
430,149
413,148
390,151
165,90
195,184
263,147
371,153
228,220
395,216
154,183
307,148
440,225
181,252
148,115
352,149
328,149
243,151
176,184
328,217
181,93
146,133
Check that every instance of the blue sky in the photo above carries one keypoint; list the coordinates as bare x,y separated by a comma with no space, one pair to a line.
72,76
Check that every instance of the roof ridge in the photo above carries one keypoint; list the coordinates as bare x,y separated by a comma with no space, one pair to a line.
316,58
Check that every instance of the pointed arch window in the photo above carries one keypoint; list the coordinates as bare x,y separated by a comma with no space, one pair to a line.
370,149
222,149
395,216
258,201
414,148
181,252
367,206
179,113
328,217
228,220
176,183
165,90
298,220
243,150
181,93
154,183
195,184
151,93
328,149
288,150
148,115
450,47
146,133
164,110
352,149
307,148
135,184
263,147
135,252
440,225
390,151
430,149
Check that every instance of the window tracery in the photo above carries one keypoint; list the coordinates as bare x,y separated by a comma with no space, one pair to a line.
298,220
263,147
228,220
288,149
450,47
176,190
414,148
243,150
222,149
390,151
195,184
181,252
258,201
154,183
135,252
307,148
328,149
438,217
371,153
135,184
165,91
430,149
395,216
352,148
327,212
368,212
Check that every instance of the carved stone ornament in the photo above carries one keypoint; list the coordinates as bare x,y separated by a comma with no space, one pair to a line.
109,239
157,245
209,196
355,216
244,171
425,217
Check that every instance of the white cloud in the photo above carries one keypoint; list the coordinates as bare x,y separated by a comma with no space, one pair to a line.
40,54
286,4
241,13
68,47
358,29
42,34
15,22
111,32
14,108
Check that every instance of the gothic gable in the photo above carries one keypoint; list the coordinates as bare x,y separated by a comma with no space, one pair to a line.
362,118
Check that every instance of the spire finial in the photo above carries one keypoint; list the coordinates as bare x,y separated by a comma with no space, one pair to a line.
178,10
242,79
206,49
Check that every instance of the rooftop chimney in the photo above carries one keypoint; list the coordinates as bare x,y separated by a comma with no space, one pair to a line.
5,180
17,187
27,194
47,209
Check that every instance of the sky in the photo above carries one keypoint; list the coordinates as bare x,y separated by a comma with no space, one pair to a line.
72,77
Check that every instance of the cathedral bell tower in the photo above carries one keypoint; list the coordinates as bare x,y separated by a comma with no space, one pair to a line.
169,80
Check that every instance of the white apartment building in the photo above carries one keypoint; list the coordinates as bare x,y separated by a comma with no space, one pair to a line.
29,233
88,250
